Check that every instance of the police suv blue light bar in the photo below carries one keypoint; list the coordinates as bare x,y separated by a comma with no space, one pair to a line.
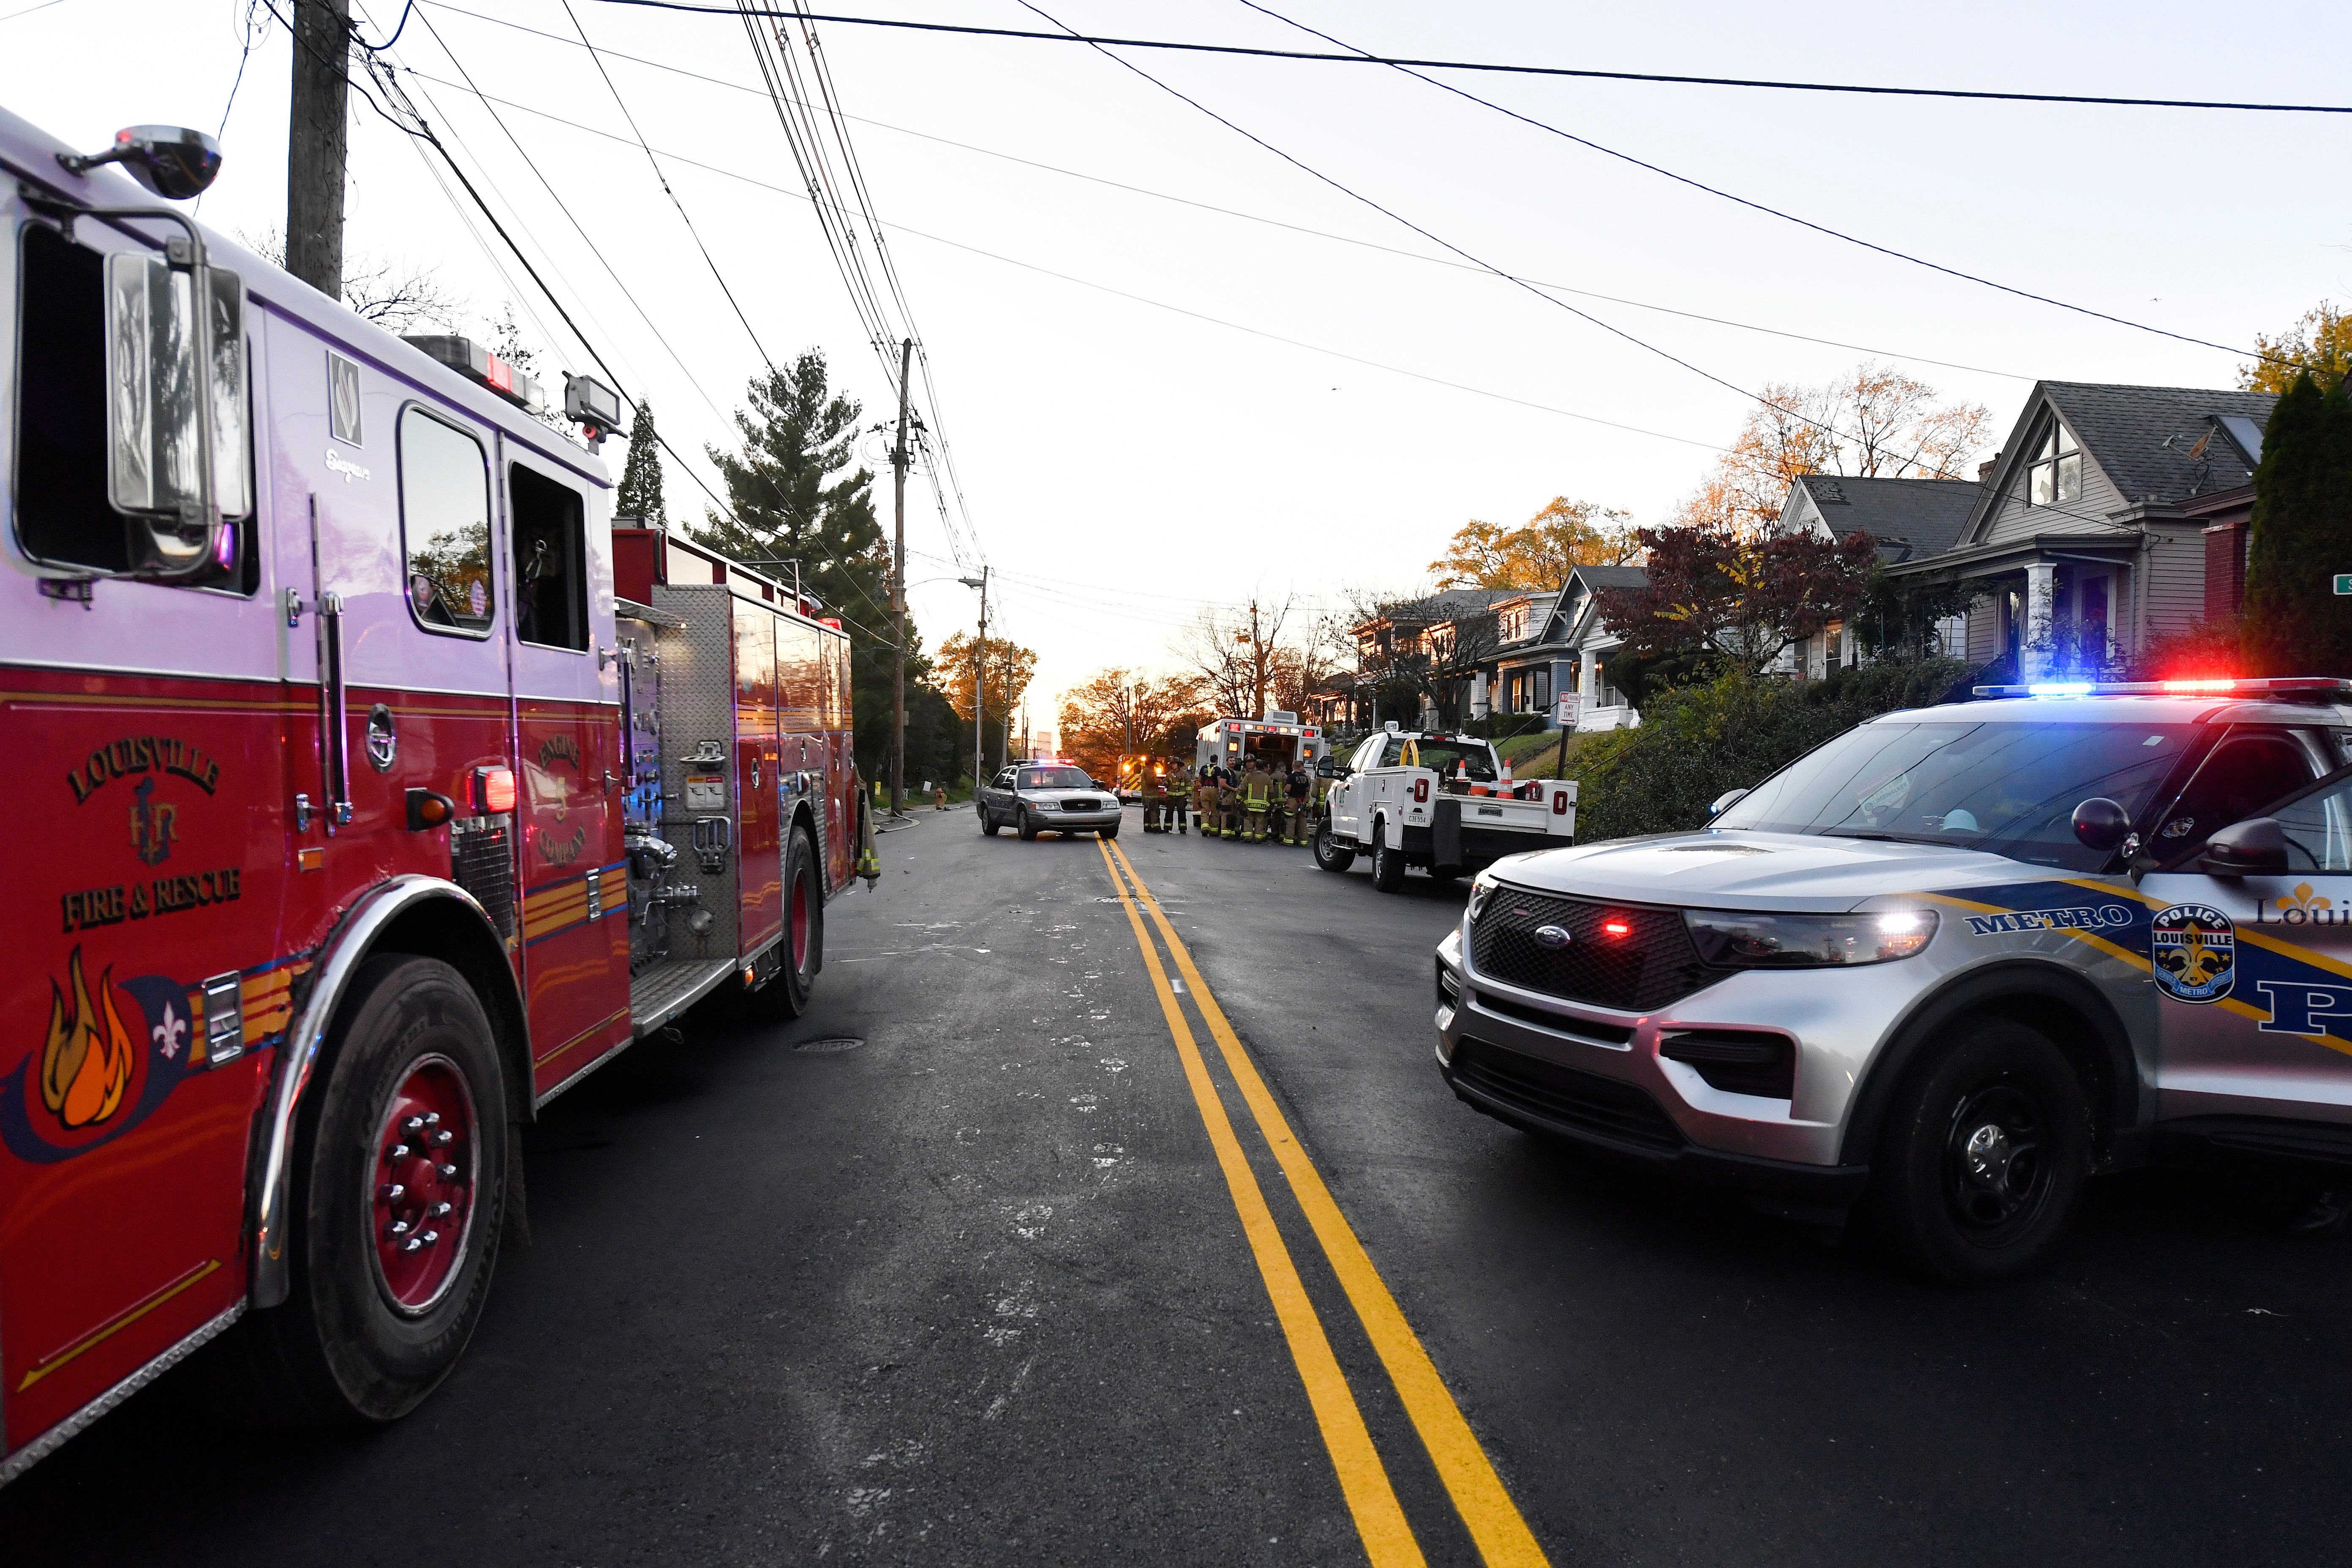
2291,688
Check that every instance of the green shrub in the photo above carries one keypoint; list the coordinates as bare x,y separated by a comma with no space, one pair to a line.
1729,733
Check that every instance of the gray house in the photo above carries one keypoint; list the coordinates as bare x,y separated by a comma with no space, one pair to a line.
1908,520
2097,521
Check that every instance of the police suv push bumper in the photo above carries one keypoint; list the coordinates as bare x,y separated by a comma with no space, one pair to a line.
1690,1085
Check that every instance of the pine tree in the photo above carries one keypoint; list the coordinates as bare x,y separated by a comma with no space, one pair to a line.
2301,537
797,492
641,481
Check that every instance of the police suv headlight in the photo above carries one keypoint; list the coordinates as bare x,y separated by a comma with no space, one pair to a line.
1742,940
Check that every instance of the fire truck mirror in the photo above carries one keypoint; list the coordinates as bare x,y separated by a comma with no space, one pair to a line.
165,408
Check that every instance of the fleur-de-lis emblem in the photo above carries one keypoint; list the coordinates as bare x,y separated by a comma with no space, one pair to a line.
2303,898
168,1033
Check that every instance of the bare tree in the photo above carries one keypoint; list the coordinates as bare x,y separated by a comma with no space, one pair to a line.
1237,655
395,296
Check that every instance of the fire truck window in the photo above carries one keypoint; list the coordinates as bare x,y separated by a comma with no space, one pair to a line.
62,512
444,523
550,569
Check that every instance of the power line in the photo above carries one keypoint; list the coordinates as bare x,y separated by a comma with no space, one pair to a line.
1157,304
664,181
1434,239
1357,57
1419,256
577,228
422,130
1761,208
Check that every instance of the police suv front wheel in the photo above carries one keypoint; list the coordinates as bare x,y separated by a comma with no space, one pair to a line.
1982,1160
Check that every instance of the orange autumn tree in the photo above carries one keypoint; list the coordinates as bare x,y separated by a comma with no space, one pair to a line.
1540,553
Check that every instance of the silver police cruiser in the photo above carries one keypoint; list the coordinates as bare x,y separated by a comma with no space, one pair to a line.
1957,960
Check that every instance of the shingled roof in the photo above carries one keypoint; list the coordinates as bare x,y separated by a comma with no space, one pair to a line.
1922,517
2128,428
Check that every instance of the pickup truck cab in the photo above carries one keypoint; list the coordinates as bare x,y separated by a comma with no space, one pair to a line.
1958,959
1438,801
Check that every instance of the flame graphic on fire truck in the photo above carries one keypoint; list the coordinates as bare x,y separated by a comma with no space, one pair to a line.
86,1066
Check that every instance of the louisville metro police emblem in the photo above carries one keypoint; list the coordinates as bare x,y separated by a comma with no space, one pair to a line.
2195,950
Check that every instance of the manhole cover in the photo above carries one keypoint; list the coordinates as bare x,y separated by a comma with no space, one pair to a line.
841,1044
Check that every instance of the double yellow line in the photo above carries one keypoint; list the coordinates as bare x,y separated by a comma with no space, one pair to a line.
1501,1535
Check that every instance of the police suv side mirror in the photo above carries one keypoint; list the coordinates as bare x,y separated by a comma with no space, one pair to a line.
2254,847
2101,823
1724,802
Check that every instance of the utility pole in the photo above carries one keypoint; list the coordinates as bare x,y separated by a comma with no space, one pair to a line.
1257,664
899,598
318,144
979,690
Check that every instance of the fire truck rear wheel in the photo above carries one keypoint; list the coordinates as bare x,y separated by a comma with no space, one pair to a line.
404,1140
787,996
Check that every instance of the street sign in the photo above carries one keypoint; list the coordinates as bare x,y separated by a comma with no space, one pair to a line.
2343,582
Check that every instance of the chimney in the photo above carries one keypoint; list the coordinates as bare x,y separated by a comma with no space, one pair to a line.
1984,469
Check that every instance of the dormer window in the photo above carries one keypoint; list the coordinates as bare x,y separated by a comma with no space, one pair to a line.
2057,472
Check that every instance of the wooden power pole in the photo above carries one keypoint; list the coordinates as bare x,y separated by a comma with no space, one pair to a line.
979,688
899,597
318,144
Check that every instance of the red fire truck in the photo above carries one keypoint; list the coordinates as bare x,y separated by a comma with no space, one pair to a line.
377,790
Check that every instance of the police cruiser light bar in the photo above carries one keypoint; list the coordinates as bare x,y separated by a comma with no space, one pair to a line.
2292,687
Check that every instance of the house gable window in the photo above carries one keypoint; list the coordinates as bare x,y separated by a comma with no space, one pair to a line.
2056,476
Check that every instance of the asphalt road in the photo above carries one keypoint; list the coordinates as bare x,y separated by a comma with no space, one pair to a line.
975,1288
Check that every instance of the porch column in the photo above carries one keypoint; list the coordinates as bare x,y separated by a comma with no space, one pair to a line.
2041,592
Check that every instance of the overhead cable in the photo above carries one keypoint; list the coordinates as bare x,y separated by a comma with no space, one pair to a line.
1762,208
1162,304
1357,57
663,180
1419,256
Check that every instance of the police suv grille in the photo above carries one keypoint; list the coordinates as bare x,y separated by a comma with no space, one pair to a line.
1651,965
481,863
1566,1096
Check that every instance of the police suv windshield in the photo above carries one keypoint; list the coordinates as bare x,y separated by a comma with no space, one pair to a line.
2008,788
1054,778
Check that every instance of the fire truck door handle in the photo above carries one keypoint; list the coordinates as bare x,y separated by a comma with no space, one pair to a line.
293,606
334,740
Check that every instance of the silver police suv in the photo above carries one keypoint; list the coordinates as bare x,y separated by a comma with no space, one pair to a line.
1046,797
1954,962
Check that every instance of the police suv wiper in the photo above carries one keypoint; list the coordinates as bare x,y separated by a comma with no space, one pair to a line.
1886,837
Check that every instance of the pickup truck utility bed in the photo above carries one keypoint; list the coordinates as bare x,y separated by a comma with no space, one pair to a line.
1438,801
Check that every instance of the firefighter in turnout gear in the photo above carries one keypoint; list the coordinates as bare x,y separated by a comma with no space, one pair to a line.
1176,772
1229,806
1257,800
1205,800
1298,811
1155,803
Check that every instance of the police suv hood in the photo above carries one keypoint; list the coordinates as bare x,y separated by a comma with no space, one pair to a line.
1796,872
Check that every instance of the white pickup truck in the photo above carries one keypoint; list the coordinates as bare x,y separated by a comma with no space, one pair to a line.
1437,800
